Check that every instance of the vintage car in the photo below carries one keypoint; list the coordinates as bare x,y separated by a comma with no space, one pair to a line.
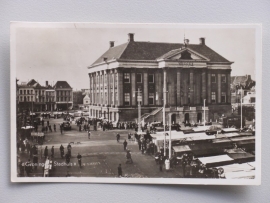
66,126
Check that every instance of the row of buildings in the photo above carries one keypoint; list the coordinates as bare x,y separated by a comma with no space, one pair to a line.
184,76
35,97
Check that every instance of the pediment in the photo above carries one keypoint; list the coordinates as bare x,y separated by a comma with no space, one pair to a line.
185,54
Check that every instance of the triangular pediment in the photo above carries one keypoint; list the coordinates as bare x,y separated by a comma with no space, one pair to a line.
184,54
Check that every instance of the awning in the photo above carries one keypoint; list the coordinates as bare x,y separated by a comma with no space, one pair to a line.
28,127
240,156
240,175
237,139
222,140
237,167
214,161
200,128
203,136
183,148
228,130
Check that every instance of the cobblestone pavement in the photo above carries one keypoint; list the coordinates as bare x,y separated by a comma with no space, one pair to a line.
101,155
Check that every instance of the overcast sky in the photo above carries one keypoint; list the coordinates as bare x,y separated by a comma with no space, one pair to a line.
65,53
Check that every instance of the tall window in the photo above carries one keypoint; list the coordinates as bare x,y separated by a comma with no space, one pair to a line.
97,99
213,78
24,91
151,98
139,77
223,78
28,92
106,98
127,99
111,97
116,98
101,97
126,77
151,78
213,97
223,97
20,91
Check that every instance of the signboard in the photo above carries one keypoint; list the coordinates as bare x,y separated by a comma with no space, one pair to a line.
139,98
186,64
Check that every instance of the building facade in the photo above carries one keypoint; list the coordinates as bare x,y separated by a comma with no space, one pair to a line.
34,97
77,99
64,95
180,76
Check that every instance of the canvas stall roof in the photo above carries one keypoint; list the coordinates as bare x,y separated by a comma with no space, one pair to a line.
27,127
215,159
183,148
253,164
201,128
221,140
227,130
236,139
240,175
203,136
237,167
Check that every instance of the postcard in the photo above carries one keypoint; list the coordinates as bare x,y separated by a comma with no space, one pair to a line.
136,103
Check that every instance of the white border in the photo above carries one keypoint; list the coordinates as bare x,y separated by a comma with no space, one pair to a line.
258,68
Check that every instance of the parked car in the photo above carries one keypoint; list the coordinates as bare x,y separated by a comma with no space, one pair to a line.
66,126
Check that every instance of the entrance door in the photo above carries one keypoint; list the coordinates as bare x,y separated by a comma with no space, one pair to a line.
186,117
199,117
174,118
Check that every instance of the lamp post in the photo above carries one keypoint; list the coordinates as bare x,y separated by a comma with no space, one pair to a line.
241,110
139,99
164,120
204,112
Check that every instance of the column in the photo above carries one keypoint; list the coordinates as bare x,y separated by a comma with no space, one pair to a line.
145,88
108,87
228,80
203,84
113,87
133,88
164,86
191,86
120,88
178,88
93,89
209,88
219,88
198,87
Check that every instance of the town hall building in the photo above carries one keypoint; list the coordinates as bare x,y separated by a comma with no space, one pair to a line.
184,76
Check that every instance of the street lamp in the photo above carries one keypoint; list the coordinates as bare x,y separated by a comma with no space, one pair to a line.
139,99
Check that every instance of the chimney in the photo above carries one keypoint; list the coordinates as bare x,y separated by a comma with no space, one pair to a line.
111,44
46,83
249,77
131,37
202,41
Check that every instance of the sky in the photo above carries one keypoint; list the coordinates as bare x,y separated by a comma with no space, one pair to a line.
54,53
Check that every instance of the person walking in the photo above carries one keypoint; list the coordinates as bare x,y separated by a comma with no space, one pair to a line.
119,170
125,145
67,158
46,152
79,157
160,163
89,134
61,129
54,127
69,149
52,151
62,151
117,137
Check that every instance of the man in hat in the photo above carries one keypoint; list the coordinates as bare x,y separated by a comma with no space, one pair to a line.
62,151
125,145
119,170
79,157
52,151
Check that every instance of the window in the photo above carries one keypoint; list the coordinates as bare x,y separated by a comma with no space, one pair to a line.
151,78
24,91
28,99
223,97
111,97
126,78
139,77
213,97
20,91
213,78
97,99
127,99
116,97
151,98
28,92
101,98
106,102
86,102
252,99
223,78
31,91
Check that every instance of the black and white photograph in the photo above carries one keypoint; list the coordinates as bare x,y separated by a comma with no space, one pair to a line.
136,103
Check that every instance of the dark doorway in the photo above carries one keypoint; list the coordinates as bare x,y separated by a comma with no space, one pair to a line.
199,117
186,117
173,118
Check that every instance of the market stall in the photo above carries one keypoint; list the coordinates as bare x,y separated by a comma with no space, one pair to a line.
240,156
214,161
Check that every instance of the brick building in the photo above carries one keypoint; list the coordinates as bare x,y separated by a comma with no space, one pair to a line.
64,95
189,74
